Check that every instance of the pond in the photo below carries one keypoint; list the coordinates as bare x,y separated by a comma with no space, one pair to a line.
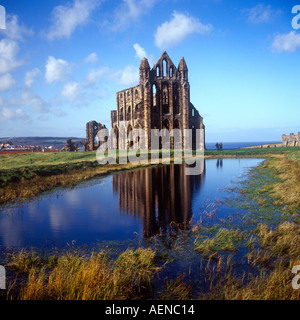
121,206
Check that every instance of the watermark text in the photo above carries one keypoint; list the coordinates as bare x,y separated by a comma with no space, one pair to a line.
137,147
2,18
2,278
295,281
296,19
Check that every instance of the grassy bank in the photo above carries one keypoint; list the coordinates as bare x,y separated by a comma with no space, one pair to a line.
26,175
27,182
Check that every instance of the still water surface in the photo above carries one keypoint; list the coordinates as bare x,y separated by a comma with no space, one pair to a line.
120,206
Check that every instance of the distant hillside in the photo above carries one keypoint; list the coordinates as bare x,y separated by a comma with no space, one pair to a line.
57,142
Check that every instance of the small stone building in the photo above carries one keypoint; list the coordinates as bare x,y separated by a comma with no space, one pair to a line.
91,143
161,100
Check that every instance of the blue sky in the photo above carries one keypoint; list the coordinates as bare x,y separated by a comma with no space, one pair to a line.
61,63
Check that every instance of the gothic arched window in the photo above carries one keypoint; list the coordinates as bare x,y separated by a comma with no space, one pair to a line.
164,68
157,71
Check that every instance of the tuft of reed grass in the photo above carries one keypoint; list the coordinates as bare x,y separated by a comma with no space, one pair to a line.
75,277
223,240
176,289
276,285
23,261
283,241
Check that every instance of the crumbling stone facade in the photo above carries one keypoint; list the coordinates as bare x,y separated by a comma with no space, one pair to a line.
161,100
91,143
92,129
291,141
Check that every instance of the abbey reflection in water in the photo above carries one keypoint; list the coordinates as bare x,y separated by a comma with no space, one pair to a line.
159,195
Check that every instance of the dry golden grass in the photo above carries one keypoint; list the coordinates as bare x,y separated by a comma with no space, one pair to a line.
276,285
287,191
76,277
176,289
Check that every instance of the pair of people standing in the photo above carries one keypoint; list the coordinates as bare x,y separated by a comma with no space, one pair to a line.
219,146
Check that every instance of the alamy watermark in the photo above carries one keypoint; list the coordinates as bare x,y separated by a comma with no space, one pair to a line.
295,281
2,278
2,18
133,146
296,19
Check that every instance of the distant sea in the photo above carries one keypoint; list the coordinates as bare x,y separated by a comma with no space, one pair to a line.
237,145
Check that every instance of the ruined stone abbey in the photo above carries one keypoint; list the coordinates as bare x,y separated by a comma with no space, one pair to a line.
160,101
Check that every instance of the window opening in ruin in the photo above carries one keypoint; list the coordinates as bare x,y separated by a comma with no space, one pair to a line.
154,95
164,68
96,140
154,88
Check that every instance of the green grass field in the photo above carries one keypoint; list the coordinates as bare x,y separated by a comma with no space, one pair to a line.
259,152
43,159
10,161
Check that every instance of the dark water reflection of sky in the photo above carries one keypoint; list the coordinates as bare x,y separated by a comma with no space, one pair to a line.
119,206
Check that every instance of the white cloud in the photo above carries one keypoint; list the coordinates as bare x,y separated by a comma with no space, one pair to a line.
91,58
7,114
261,13
173,32
6,82
13,108
29,77
65,19
140,52
15,30
71,91
8,55
129,76
34,101
56,70
130,11
286,42
93,76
